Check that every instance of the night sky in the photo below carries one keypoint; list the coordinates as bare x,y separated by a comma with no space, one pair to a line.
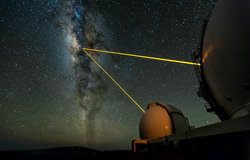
52,94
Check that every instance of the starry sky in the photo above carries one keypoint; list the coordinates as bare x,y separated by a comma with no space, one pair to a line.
52,94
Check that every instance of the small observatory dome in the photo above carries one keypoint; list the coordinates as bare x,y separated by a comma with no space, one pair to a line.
161,120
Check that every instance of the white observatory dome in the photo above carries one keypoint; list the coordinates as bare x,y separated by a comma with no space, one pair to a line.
161,120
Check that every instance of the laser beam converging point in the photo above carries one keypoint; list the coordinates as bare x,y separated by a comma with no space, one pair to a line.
117,84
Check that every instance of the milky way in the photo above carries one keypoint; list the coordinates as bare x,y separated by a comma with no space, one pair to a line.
85,28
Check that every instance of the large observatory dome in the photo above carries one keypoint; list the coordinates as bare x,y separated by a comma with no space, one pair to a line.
226,56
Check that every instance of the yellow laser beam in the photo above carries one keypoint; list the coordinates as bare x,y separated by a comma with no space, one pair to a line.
118,85
142,56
